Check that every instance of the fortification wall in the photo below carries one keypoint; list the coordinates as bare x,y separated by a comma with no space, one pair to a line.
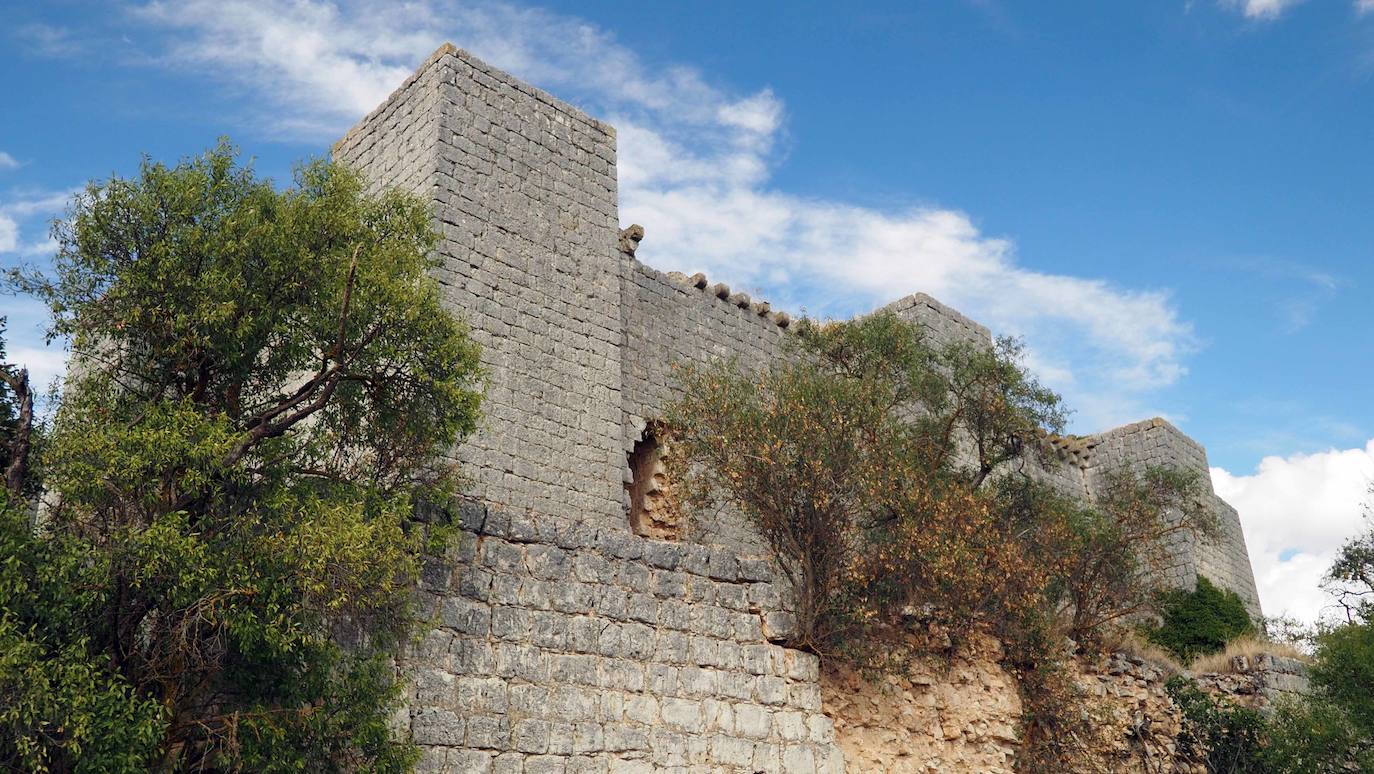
1224,560
564,647
672,319
563,642
524,188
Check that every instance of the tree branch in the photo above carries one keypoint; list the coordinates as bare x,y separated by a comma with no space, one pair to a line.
16,473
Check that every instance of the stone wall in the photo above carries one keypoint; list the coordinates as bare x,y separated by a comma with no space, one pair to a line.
1225,561
571,648
524,188
1260,681
671,319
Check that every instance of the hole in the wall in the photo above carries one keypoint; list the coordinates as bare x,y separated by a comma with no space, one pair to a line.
652,511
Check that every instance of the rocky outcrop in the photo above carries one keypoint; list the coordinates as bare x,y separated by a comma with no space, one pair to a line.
962,713
936,714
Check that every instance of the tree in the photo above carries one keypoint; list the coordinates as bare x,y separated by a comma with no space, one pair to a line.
1351,577
1119,552
897,479
860,450
264,385
16,422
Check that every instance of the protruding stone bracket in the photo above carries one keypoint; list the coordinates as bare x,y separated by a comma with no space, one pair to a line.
630,238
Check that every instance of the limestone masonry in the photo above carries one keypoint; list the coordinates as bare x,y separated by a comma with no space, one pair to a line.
566,640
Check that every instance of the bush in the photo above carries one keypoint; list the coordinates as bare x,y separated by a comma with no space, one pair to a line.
1225,737
1315,735
1200,621
1343,669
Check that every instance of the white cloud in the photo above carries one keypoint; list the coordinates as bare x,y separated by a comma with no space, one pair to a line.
48,40
1266,9
18,213
695,167
45,364
1364,6
7,161
9,233
1296,512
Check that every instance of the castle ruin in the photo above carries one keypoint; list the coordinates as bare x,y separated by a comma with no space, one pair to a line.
571,637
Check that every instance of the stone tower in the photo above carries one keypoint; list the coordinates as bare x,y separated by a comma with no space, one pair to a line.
524,190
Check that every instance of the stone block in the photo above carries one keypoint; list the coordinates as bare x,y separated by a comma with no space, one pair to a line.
682,714
773,691
485,731
437,727
545,764
799,759
732,751
530,735
465,616
753,721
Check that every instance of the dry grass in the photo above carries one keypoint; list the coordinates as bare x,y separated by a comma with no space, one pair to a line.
1131,643
1250,646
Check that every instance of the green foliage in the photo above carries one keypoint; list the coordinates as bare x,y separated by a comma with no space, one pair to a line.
263,383
1200,621
1119,547
1343,670
1315,735
61,704
1227,738
859,433
1312,735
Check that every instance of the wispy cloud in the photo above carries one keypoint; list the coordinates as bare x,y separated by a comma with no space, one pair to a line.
47,39
696,163
1296,512
1306,289
1273,9
7,161
21,213
1264,9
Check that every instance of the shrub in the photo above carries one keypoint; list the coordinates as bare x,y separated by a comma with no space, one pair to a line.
1315,735
1343,669
1225,737
1200,621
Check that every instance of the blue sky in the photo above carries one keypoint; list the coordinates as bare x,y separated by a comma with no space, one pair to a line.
1170,201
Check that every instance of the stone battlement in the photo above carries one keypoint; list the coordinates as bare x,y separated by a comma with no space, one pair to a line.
572,638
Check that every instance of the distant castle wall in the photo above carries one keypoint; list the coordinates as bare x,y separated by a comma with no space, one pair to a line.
565,642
